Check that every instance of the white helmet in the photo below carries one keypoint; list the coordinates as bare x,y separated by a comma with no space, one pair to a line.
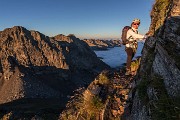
136,20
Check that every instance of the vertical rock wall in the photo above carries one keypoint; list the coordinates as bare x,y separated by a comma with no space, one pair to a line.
158,79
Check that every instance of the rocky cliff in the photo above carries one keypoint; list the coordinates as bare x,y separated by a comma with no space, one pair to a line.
33,65
157,93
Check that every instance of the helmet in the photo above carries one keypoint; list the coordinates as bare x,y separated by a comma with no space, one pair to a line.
136,20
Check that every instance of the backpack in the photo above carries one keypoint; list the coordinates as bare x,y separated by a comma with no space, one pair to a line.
124,34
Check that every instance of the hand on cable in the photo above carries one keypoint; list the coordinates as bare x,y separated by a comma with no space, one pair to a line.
145,36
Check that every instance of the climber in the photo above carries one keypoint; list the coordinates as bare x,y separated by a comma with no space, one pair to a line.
131,46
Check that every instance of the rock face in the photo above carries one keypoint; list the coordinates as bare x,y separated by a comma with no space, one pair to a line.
33,65
158,84
106,98
102,44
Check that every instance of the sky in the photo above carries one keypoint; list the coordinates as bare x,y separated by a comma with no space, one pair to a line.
96,19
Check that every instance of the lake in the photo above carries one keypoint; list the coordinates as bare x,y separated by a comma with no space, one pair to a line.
116,57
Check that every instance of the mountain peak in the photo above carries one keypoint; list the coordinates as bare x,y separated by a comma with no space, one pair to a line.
41,66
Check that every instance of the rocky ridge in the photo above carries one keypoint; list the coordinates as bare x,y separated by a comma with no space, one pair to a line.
108,97
33,65
102,44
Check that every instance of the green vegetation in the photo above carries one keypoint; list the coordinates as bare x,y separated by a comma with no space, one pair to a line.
88,106
92,107
149,61
162,5
164,107
6,116
135,64
97,103
103,79
142,90
159,13
144,83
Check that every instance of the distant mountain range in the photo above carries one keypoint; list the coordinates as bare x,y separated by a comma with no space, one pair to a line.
102,44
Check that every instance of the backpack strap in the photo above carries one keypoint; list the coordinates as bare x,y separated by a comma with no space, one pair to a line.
134,31
131,35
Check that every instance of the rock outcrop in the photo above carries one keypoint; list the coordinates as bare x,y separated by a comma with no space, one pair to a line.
106,98
158,81
102,44
33,65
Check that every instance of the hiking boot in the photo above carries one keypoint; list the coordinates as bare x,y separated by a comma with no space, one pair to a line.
128,72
